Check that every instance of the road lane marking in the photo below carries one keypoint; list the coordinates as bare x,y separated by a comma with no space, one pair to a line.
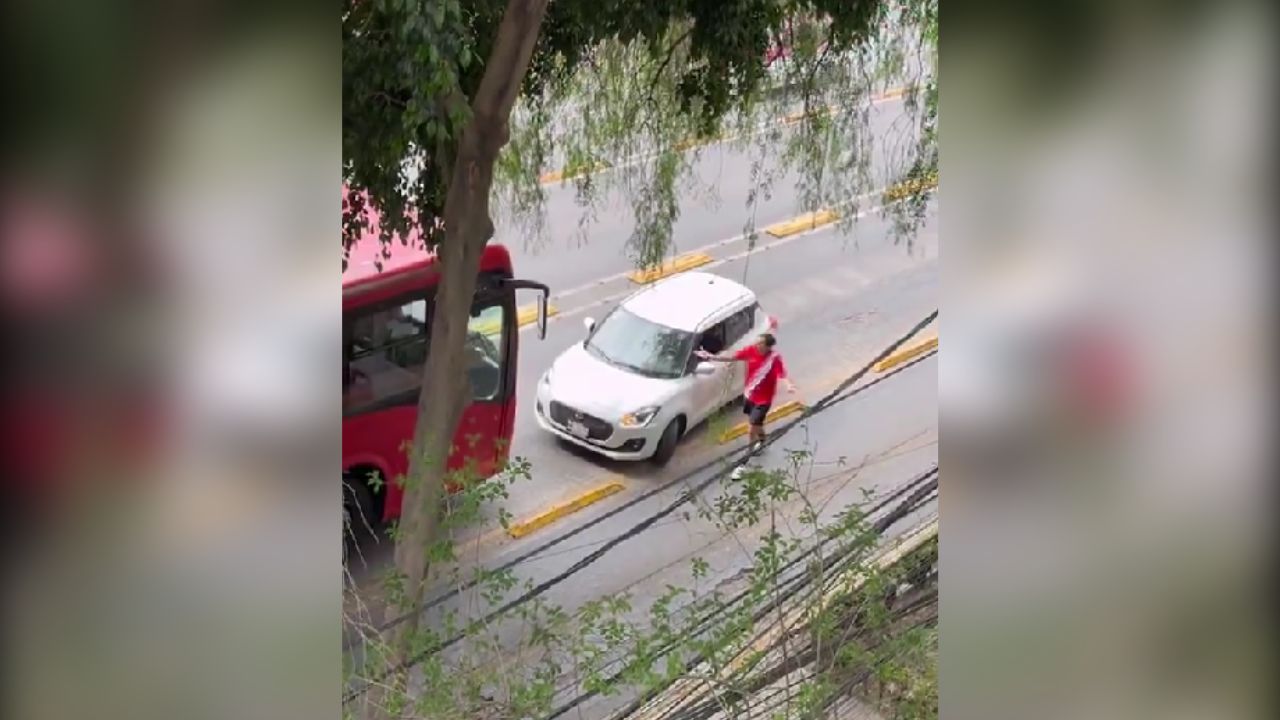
783,410
529,314
687,144
713,264
594,284
524,316
805,222
679,264
902,356
570,173
799,115
555,512
907,188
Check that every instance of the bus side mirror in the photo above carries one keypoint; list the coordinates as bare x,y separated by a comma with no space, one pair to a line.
589,324
544,294
542,316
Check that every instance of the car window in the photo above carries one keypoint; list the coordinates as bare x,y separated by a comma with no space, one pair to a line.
633,343
384,352
713,339
738,325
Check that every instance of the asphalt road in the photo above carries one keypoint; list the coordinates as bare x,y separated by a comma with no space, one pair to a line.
572,255
841,294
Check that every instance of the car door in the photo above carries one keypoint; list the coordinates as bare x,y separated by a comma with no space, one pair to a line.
740,332
708,390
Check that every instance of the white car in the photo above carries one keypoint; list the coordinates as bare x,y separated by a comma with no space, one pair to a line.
633,387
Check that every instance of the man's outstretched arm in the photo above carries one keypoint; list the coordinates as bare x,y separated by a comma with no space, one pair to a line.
703,354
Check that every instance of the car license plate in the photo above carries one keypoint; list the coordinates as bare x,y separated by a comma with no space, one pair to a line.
578,429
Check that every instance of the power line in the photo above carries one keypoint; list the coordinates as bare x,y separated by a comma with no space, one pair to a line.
925,488
791,584
657,489
830,399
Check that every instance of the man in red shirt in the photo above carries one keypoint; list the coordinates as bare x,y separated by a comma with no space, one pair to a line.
764,370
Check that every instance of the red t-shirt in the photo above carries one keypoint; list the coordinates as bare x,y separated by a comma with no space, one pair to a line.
763,372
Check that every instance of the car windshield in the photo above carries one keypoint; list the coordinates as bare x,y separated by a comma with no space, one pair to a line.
633,343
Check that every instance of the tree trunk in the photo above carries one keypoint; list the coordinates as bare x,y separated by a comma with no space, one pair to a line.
468,227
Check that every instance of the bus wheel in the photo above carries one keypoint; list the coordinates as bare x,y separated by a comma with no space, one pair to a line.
667,443
359,511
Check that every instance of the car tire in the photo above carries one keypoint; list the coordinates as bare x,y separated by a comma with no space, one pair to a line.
668,442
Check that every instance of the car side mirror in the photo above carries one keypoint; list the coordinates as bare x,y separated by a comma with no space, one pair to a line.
704,368
589,323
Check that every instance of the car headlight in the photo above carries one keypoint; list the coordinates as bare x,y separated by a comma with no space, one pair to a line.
640,417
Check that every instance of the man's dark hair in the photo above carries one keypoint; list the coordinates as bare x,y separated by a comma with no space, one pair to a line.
769,339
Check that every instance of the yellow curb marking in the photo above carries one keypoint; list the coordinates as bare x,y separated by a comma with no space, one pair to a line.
679,264
783,410
529,313
569,174
555,512
904,355
805,222
911,187
524,316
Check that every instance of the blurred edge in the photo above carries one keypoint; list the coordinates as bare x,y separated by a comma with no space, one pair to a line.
1104,386
170,176
169,181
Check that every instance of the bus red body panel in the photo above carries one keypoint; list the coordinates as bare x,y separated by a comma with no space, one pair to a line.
378,439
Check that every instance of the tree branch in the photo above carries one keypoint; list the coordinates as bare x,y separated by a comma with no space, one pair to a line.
671,51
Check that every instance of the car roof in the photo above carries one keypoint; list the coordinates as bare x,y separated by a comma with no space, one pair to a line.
686,300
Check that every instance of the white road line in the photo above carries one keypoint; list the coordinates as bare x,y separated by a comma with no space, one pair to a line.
758,128
714,263
704,248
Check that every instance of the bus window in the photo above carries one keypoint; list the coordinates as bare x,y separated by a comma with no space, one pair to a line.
385,352
485,333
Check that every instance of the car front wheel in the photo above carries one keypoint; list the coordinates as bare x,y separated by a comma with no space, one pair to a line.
667,443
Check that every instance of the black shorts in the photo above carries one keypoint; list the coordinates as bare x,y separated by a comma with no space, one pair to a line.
755,413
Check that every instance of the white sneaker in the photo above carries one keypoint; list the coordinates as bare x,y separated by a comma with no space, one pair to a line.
737,472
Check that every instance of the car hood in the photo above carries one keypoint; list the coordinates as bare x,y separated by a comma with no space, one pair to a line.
581,380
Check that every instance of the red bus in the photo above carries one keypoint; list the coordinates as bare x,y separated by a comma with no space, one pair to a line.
386,329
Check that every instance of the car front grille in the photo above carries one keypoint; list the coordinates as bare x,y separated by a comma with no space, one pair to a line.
597,429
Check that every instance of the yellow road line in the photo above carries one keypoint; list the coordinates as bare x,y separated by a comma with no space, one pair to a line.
688,261
524,316
529,313
904,355
570,173
783,410
910,187
805,222
555,512
799,115
694,142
